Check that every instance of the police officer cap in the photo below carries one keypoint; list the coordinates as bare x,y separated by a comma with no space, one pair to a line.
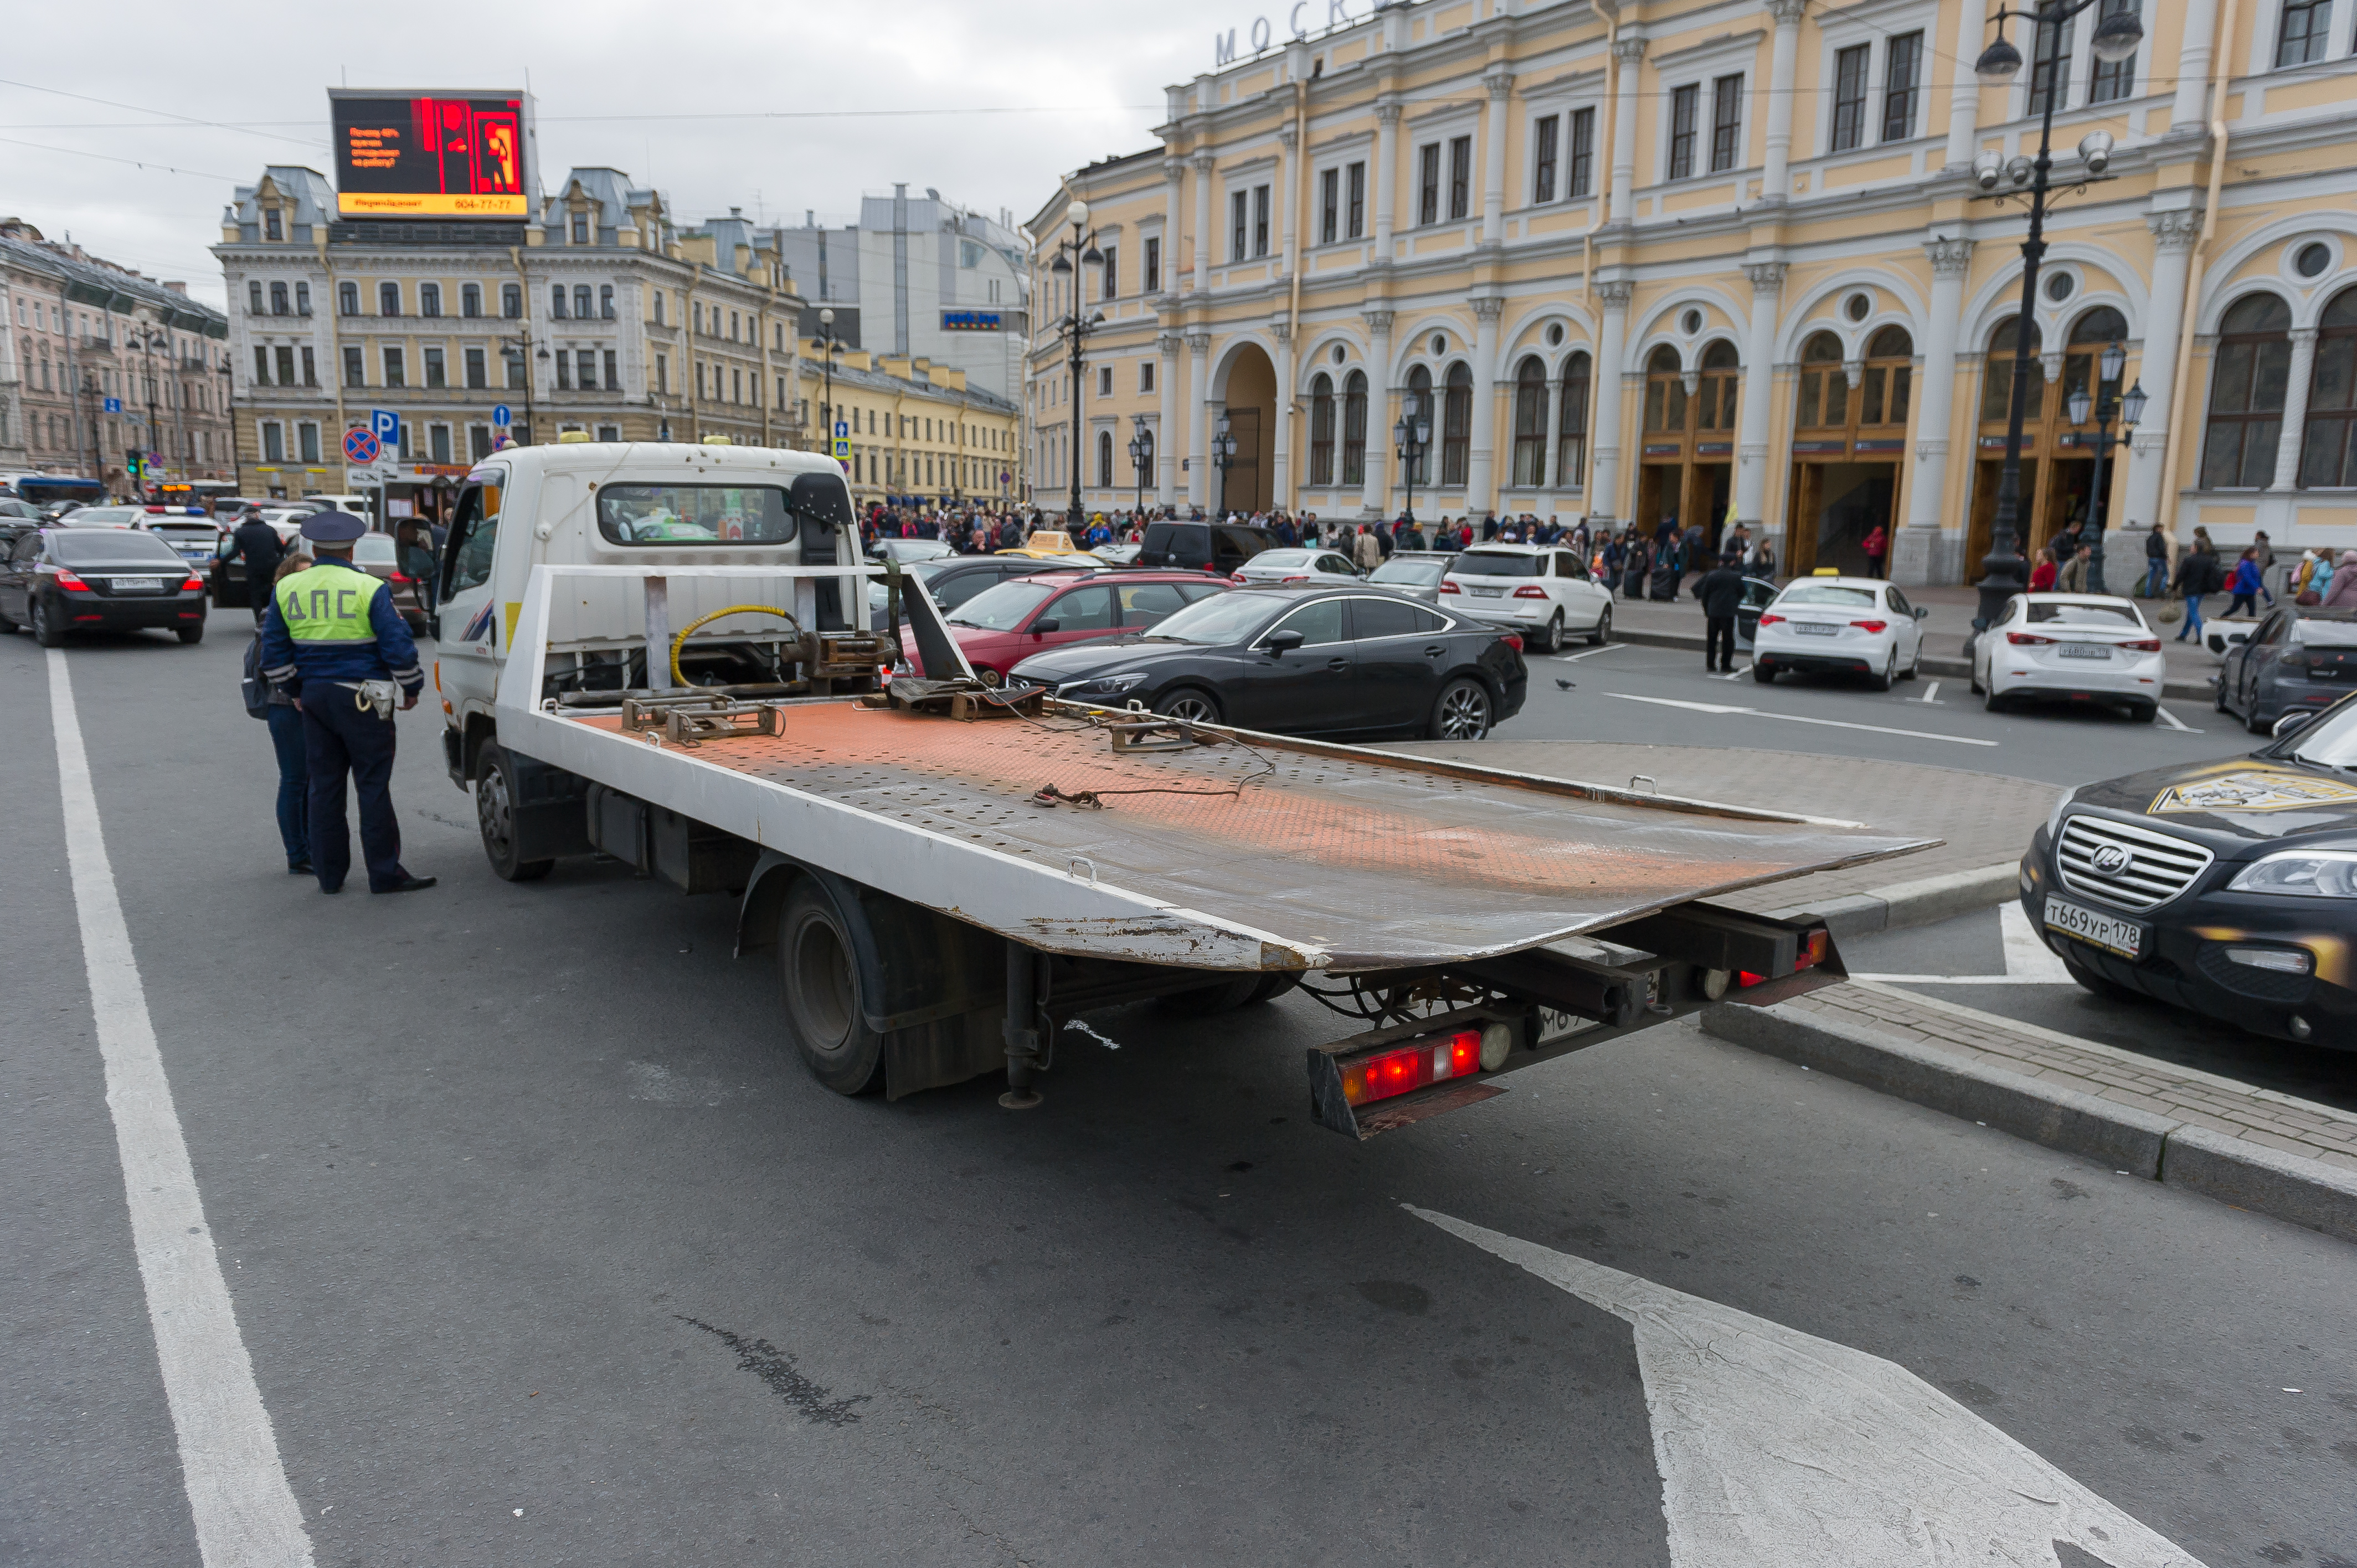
333,527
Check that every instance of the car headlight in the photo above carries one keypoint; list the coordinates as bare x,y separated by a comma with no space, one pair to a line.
1106,686
2054,818
2300,873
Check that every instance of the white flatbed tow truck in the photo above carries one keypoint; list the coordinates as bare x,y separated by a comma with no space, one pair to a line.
945,874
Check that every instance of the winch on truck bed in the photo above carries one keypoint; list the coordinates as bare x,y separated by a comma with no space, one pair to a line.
946,873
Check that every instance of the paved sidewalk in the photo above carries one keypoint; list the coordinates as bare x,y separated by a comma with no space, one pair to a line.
1983,819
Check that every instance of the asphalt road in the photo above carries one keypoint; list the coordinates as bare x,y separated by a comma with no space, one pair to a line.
544,1252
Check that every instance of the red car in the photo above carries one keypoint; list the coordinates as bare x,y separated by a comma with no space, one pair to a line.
1001,626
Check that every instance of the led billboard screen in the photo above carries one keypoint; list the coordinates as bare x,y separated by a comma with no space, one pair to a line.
422,155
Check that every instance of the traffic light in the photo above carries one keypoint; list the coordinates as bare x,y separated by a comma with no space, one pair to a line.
132,467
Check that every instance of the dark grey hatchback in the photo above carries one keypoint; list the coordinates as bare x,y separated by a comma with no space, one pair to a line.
1342,663
58,580
2294,661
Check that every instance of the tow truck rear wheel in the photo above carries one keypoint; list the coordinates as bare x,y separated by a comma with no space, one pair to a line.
495,794
1224,997
824,1005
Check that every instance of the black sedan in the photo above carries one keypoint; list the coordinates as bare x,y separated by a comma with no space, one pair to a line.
99,579
2293,661
2228,889
1344,664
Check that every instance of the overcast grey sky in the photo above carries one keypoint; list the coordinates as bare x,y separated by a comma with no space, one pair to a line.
616,82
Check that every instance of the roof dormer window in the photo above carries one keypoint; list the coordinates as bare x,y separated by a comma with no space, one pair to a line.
580,226
274,226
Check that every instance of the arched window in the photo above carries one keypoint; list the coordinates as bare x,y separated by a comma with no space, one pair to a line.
2329,454
1889,377
2093,332
581,301
1824,385
512,300
1354,428
1996,378
1721,376
1571,444
429,299
347,298
2247,379
1322,429
1417,408
1104,458
1457,424
556,301
388,299
606,302
470,299
1529,425
1665,392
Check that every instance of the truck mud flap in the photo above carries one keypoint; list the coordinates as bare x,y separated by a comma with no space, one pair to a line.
548,807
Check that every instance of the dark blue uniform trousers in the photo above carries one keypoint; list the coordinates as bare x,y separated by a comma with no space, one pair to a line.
338,739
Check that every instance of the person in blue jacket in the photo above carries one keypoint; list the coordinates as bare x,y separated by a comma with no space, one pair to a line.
332,639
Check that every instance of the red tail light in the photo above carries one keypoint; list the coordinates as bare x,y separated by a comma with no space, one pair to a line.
1513,639
1449,587
1869,625
2142,645
68,581
1530,591
2031,639
1771,620
1815,947
1394,1072
1238,578
195,585
1291,580
398,578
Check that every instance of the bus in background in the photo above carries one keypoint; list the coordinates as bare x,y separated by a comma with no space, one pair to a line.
48,490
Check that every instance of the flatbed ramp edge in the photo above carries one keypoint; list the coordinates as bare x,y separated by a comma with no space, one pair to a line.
1422,884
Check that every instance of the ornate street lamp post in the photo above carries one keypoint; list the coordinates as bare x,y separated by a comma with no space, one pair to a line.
2106,404
1141,458
2117,35
1223,455
1074,327
1411,433
826,400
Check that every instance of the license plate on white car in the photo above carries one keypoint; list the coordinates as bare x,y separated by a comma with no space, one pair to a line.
1816,628
1487,593
2109,932
2084,650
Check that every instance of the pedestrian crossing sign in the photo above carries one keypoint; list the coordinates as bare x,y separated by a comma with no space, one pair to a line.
841,447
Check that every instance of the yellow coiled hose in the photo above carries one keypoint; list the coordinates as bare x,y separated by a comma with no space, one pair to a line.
680,641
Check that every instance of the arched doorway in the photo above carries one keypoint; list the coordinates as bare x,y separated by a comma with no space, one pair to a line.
1686,464
2057,461
1249,400
1849,442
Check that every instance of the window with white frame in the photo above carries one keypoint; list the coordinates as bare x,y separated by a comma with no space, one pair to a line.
2302,30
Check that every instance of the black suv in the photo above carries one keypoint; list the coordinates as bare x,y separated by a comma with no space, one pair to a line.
1219,547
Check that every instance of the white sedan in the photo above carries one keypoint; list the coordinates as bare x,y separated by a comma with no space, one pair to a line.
1536,589
2071,648
1857,625
1320,568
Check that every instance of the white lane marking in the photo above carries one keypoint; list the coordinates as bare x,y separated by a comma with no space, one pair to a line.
2173,722
245,1513
1931,696
1798,718
1607,647
1732,674
2028,959
1778,1448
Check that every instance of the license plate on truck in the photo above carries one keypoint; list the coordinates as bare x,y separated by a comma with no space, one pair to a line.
2109,932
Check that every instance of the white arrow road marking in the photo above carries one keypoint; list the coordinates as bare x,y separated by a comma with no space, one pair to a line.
1796,718
1778,1449
2028,959
244,1512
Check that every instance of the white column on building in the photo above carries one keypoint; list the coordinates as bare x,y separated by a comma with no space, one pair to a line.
1387,119
1198,402
1915,556
1611,347
1280,492
2193,57
1501,86
1480,469
2294,415
1752,439
1165,434
1174,179
1287,140
1965,87
2174,235
1776,176
1627,51
1375,501
1202,164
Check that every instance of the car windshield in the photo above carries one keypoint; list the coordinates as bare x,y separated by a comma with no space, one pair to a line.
1828,594
1423,573
105,516
1498,563
694,514
373,550
2087,614
2328,633
1217,622
109,548
1003,607
2329,742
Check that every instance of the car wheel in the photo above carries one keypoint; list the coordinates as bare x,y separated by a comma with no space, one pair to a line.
2256,724
1551,639
495,817
1914,665
1763,671
824,1007
1991,698
1973,679
1462,712
1190,703
2143,712
46,631
1889,671
2218,695
1603,632
191,633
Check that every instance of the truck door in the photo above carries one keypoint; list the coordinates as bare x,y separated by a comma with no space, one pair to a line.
473,631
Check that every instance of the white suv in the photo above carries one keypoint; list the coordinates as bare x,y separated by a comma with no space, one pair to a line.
1543,589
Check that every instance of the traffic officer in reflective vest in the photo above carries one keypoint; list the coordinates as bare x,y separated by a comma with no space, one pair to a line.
334,640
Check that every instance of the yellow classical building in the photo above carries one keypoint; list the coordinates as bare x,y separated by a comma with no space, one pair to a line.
1684,259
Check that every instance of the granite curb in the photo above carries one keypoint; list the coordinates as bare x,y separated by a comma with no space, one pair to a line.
1922,902
2179,1154
1940,665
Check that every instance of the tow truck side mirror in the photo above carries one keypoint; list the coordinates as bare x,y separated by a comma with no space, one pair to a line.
1282,641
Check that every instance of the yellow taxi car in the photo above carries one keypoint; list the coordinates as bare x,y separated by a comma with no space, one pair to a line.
1050,545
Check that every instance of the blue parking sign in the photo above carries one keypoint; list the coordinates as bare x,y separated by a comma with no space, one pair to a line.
386,424
501,417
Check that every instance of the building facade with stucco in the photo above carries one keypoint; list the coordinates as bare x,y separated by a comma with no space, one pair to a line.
1712,261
